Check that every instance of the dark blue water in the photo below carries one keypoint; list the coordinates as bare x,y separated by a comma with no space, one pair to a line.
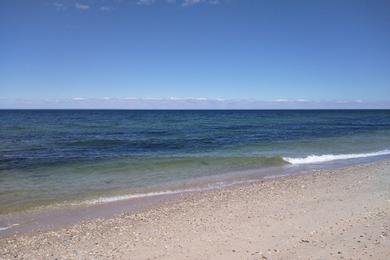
52,156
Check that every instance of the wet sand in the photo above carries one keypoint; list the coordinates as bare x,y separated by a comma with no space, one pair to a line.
329,214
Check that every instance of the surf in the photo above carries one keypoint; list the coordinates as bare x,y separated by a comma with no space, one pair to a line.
332,157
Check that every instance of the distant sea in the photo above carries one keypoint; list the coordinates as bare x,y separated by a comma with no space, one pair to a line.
72,157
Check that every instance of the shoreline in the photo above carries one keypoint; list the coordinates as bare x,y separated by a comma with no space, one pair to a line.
47,193
286,214
58,216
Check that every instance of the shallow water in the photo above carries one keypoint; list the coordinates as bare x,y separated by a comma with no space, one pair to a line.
55,157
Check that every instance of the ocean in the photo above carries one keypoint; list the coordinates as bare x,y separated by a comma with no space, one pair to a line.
52,158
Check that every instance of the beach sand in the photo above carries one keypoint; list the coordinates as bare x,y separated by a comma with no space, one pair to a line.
328,214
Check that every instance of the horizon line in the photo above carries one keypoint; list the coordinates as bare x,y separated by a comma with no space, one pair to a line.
193,109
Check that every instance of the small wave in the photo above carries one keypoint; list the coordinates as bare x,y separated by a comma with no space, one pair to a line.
332,157
138,195
160,193
8,227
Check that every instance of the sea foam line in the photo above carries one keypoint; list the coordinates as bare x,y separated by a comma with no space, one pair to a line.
8,227
160,193
332,157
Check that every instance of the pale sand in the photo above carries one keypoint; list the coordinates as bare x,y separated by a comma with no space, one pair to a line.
331,214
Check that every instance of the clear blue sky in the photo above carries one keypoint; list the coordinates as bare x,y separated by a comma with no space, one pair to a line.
230,49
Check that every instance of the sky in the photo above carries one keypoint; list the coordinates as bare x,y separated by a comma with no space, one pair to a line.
194,54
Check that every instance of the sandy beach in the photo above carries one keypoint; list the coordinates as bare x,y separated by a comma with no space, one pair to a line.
328,214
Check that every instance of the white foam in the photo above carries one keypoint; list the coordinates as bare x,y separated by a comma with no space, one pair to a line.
138,195
332,157
160,193
8,227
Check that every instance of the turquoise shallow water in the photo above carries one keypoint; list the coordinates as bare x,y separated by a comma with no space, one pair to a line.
67,156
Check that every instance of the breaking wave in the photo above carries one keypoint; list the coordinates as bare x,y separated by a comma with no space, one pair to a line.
332,157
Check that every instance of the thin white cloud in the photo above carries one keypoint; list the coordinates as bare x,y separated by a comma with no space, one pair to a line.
280,100
285,100
195,2
187,103
150,98
82,7
106,8
59,6
110,5
146,2
213,2
191,2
